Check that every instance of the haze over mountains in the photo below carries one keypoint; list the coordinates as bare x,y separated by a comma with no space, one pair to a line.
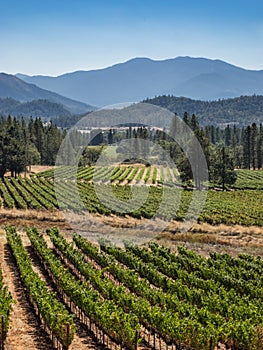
139,78
197,79
16,89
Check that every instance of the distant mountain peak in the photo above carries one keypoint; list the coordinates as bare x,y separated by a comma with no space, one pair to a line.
142,77
139,59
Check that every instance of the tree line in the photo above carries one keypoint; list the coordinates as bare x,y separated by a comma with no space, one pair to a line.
225,148
244,144
35,142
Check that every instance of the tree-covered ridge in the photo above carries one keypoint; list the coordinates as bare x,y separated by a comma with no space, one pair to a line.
44,109
36,108
242,110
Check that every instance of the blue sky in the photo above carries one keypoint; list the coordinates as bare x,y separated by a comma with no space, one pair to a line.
54,37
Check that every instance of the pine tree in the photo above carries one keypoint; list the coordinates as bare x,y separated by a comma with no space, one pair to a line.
222,168
246,142
259,147
253,150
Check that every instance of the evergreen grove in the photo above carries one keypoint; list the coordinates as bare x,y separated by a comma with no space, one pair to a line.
22,144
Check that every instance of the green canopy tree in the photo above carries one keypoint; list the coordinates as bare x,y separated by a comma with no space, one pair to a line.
221,169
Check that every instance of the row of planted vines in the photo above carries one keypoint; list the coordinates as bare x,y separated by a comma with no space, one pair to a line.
5,310
120,174
52,313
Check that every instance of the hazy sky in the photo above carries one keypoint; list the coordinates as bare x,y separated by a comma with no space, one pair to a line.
56,36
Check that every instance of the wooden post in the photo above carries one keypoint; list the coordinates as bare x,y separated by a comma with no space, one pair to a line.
136,339
52,339
211,343
2,332
67,336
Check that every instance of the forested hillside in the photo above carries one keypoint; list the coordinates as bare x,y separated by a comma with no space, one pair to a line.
44,109
243,110
36,108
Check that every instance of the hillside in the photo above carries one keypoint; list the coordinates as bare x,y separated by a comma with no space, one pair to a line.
139,78
242,110
36,108
15,88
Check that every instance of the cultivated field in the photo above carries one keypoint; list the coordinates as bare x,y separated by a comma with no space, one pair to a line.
144,298
240,206
200,289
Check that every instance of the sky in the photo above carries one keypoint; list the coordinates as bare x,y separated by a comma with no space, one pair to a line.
52,37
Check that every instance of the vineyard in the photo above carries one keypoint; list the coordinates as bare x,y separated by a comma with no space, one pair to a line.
153,175
249,179
132,298
240,206
5,309
140,297
120,174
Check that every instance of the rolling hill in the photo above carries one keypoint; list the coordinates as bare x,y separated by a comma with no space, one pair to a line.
242,111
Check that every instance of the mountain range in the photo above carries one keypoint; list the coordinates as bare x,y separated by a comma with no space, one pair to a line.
209,88
16,89
139,78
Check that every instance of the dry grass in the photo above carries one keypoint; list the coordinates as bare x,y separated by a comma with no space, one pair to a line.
205,238
39,168
214,245
29,214
201,237
231,240
29,218
35,169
